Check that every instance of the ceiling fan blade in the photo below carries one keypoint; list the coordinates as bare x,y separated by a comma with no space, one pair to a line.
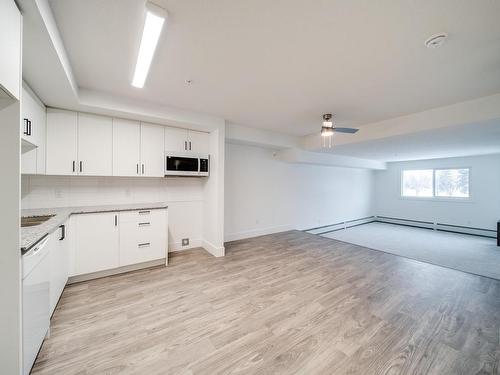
345,130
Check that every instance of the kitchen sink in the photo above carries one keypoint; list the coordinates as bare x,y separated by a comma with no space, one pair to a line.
31,221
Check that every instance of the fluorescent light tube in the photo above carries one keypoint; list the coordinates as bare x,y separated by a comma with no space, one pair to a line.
155,18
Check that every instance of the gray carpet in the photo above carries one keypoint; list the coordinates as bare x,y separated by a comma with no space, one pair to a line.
472,254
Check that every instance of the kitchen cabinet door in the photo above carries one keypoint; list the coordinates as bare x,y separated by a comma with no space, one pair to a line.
59,264
97,242
199,142
152,150
33,129
62,144
175,140
126,147
95,145
10,48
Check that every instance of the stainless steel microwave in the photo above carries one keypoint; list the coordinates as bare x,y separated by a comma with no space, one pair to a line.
186,165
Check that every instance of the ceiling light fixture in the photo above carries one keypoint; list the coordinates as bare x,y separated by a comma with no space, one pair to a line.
155,18
328,130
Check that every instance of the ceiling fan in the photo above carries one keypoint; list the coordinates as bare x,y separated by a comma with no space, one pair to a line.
327,129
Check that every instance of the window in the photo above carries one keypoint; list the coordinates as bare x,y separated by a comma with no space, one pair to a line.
435,183
452,183
417,183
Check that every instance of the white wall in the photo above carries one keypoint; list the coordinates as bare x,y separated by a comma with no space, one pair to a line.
213,208
183,195
264,195
482,211
10,256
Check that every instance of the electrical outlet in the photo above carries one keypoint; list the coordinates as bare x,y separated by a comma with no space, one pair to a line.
185,241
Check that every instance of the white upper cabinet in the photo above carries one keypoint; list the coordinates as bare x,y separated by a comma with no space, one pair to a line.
186,141
92,145
95,145
198,142
152,150
10,48
62,143
33,130
175,140
30,109
79,143
126,147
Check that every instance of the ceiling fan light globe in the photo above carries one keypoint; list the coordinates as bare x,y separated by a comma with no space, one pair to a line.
326,131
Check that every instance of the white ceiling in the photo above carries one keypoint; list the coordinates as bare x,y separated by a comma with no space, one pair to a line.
461,140
280,64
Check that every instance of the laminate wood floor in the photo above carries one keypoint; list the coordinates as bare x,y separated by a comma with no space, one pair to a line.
289,303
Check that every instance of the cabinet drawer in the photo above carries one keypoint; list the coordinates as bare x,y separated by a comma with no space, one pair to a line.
143,236
143,216
141,243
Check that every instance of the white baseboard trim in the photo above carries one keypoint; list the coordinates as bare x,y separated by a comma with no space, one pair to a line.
257,232
177,246
216,251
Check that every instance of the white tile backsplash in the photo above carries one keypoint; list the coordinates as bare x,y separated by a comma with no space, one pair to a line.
58,191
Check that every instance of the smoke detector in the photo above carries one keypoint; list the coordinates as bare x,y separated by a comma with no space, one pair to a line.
436,41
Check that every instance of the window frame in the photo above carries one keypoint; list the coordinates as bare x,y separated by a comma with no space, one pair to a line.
416,196
434,196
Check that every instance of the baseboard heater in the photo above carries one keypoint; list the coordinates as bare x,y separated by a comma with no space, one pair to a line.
340,225
443,227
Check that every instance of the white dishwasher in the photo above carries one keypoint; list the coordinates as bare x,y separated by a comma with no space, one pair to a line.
36,301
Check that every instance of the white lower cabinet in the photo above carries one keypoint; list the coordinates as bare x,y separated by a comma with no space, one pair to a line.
105,241
59,263
143,236
97,242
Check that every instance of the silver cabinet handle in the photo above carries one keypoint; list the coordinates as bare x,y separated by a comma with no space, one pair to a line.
146,212
185,145
74,166
189,145
137,168
81,166
144,224
143,169
144,244
116,220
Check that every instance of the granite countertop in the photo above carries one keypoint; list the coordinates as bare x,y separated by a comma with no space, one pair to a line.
31,235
